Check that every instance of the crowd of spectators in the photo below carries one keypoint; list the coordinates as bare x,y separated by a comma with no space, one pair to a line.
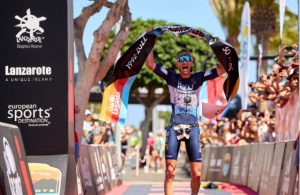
155,151
249,126
99,132
95,131
279,85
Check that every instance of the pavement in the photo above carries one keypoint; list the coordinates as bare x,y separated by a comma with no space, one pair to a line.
151,182
180,188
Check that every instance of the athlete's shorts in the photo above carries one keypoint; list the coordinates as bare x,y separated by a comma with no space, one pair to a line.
193,147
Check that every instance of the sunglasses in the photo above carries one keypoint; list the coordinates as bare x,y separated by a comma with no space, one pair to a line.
184,58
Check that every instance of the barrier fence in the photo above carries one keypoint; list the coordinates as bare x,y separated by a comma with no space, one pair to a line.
266,168
98,169
14,172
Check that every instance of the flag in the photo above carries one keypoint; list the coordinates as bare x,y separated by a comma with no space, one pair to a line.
115,101
212,97
245,44
116,94
281,16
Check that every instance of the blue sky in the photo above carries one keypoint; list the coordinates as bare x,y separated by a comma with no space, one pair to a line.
193,13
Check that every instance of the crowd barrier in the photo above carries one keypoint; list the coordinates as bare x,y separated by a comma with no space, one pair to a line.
27,175
98,169
266,168
14,174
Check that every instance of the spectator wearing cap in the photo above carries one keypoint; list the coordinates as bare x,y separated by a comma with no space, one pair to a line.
86,127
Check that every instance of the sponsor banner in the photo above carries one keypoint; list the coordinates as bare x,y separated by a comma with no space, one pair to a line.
205,162
105,168
290,112
266,168
235,166
240,164
85,169
288,174
49,174
45,178
258,167
36,54
15,177
79,181
246,151
226,154
111,170
275,171
97,174
215,164
252,164
113,154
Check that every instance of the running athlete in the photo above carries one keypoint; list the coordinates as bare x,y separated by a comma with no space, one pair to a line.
184,88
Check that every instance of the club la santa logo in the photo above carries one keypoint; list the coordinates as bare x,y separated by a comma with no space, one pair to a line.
30,30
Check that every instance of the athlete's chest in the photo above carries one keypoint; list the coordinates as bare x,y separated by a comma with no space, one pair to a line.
190,84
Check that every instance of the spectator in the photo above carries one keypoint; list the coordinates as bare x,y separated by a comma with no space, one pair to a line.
296,147
76,138
111,133
262,129
269,135
98,133
150,150
87,128
124,147
159,146
279,85
108,134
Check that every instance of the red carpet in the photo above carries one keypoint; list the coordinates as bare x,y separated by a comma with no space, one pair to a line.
236,189
119,190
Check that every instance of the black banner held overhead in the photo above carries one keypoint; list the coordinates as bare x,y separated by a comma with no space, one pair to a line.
35,57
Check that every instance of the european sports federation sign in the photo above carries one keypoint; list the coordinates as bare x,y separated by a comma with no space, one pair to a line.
36,54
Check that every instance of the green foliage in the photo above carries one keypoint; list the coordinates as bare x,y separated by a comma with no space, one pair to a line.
94,107
229,13
165,50
290,32
165,115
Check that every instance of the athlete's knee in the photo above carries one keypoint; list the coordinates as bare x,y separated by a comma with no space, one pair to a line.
196,172
170,171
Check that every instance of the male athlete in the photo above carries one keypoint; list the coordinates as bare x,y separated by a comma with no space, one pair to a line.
184,88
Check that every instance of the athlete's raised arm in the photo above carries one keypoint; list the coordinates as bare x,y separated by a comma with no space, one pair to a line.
150,61
220,69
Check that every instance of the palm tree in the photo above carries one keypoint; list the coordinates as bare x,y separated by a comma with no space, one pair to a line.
263,25
229,14
264,18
